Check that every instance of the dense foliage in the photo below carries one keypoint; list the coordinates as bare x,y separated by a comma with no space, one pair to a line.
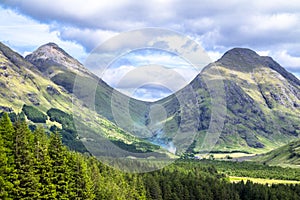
34,165
252,169
68,130
63,118
34,114
65,79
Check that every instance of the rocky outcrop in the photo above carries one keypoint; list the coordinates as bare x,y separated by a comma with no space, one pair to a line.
6,109
52,90
50,57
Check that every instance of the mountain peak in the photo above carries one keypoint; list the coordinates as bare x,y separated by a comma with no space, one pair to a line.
51,55
51,44
241,51
49,51
241,59
246,60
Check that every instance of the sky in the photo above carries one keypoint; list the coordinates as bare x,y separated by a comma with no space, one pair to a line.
269,27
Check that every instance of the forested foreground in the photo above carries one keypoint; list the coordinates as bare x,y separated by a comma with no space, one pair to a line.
34,165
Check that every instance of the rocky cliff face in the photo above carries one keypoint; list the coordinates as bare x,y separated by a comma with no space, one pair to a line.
50,58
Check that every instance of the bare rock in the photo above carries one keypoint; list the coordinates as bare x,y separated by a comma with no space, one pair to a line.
3,67
33,99
6,109
52,91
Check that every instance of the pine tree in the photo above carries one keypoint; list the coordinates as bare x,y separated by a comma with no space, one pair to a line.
5,185
81,183
6,156
7,133
26,180
96,178
152,187
136,187
60,174
42,165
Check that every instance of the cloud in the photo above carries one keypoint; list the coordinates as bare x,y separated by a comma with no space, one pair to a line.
290,62
229,23
87,37
264,26
25,35
142,66
112,76
298,75
152,74
147,92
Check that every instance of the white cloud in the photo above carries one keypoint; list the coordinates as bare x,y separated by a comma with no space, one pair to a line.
287,60
218,25
146,93
158,57
259,24
297,75
91,38
263,53
25,35
152,74
147,65
112,76
214,55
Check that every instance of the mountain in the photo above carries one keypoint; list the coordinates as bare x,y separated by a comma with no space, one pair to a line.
285,156
250,99
64,70
29,91
22,83
261,97
51,59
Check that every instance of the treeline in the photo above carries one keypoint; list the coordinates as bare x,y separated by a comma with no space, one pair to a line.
196,180
252,169
67,130
34,165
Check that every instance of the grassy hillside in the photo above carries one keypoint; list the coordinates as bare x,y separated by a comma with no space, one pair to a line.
26,92
286,156
262,101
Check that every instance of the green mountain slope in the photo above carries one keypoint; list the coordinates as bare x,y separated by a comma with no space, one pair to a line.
64,70
262,101
287,155
27,92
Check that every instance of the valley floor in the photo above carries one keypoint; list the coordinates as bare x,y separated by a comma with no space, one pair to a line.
235,179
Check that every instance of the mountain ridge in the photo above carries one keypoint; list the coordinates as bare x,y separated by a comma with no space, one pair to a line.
28,94
50,55
262,102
